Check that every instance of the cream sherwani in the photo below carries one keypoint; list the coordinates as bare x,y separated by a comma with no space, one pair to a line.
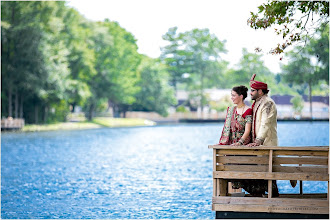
264,125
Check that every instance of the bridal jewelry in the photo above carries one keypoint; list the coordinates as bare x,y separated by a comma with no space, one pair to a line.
240,107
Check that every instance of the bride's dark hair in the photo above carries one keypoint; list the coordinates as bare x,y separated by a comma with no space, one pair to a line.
241,90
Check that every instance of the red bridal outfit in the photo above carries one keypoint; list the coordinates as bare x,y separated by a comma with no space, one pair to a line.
234,126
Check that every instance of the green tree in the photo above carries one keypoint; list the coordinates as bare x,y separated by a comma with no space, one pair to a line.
116,66
203,51
155,94
300,71
34,66
298,104
78,33
13,26
174,57
309,65
319,48
293,20
249,64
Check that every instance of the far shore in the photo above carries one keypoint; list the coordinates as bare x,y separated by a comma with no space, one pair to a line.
98,122
103,122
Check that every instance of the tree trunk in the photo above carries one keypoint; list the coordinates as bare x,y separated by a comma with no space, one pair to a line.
73,107
90,112
310,99
46,114
115,109
202,91
36,115
10,107
175,86
21,108
16,103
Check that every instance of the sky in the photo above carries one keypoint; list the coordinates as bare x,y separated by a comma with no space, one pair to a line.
148,20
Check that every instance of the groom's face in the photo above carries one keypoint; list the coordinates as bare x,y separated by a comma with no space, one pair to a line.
254,94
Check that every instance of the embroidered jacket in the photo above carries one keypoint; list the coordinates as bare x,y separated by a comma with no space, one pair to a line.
264,125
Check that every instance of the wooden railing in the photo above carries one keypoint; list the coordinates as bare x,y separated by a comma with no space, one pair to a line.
270,163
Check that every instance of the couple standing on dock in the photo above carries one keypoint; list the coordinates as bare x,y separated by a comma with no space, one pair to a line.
251,127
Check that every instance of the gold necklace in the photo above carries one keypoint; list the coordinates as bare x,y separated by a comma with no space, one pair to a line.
240,106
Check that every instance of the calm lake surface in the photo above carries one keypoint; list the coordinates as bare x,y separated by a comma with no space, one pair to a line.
141,173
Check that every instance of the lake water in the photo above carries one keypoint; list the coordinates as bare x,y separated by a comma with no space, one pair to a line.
141,173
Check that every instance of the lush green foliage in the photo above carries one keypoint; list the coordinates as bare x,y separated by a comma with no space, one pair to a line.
53,58
293,20
155,94
193,58
309,65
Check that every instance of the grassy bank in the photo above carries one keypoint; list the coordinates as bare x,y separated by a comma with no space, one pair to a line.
95,123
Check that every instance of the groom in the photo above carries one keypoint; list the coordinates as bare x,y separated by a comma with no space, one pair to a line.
264,124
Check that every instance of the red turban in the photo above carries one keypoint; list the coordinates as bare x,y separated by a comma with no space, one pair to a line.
256,84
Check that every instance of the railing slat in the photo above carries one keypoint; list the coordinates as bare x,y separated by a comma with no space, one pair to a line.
270,176
301,160
243,160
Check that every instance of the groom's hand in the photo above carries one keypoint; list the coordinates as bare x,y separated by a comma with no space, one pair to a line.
253,145
257,142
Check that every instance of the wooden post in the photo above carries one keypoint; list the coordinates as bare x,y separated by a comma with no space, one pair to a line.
223,187
301,187
214,187
300,184
270,169
214,169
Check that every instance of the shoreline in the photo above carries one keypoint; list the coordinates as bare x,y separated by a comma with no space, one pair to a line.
223,120
99,122
105,122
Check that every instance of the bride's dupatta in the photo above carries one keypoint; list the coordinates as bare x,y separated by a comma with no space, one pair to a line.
225,138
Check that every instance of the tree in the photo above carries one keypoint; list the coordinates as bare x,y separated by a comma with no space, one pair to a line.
249,64
34,66
293,20
319,48
309,65
300,71
14,24
203,51
298,104
174,57
77,34
155,92
116,66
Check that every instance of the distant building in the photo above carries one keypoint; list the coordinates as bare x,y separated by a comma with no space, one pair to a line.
320,104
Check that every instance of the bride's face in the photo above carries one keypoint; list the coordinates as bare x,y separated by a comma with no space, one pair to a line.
236,98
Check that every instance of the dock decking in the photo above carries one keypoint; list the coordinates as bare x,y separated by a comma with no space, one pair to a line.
270,163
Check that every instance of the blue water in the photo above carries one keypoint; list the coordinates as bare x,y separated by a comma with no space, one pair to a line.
133,173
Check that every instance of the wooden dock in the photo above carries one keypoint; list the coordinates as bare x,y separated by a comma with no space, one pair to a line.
12,123
269,163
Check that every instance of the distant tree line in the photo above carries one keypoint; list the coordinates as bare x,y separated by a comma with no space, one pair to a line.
53,60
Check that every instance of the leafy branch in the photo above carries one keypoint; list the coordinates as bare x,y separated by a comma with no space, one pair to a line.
293,20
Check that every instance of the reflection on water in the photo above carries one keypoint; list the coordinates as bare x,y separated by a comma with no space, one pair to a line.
145,172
